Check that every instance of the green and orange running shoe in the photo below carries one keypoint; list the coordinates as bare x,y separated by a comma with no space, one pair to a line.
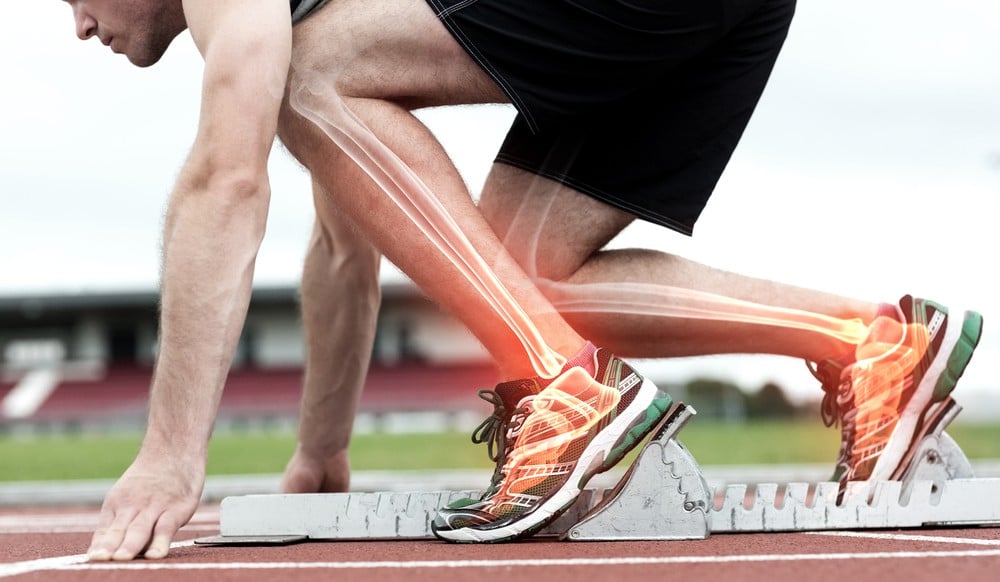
549,443
887,390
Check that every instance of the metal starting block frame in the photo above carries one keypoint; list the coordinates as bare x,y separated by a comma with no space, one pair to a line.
662,496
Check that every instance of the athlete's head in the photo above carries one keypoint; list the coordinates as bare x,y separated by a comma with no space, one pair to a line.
140,29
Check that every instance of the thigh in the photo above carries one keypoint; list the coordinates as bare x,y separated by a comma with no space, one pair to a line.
391,49
548,227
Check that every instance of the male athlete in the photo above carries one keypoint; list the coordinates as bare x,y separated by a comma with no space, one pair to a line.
625,110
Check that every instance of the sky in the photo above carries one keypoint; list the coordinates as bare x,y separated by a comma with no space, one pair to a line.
871,166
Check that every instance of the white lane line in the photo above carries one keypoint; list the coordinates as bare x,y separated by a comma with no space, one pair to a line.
45,519
18,568
71,529
74,522
907,537
534,563
74,562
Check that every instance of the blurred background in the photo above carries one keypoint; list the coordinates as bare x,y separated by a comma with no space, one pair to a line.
870,169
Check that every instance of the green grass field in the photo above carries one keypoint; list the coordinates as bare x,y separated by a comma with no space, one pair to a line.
712,443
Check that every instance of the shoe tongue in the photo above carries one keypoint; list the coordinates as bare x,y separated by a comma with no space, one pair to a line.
511,393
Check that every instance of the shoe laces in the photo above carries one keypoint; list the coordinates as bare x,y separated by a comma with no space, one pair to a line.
838,407
492,430
498,432
837,394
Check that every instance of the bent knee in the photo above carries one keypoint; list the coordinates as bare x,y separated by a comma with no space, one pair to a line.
307,143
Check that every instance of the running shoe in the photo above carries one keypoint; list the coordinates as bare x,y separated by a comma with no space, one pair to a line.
511,404
556,440
882,394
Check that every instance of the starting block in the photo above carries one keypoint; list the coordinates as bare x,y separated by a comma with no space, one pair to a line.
662,496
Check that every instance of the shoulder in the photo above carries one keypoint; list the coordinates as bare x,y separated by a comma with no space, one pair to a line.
236,19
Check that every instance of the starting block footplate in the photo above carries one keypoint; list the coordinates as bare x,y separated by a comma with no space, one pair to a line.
662,496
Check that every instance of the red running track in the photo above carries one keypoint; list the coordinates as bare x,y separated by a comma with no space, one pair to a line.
46,544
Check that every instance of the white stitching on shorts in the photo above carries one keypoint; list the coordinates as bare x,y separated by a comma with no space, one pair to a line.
459,35
446,12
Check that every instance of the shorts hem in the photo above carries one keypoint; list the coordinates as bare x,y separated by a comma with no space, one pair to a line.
598,194
444,15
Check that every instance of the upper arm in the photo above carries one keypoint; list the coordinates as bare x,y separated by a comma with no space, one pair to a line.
247,49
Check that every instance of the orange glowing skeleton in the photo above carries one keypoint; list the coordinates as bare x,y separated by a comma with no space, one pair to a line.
874,391
319,103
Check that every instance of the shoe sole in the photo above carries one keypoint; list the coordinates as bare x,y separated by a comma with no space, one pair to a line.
941,377
601,454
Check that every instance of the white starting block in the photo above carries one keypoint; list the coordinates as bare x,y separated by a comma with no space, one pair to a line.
662,496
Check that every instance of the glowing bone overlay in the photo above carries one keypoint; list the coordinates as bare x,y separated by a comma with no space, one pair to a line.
668,301
562,413
885,358
321,104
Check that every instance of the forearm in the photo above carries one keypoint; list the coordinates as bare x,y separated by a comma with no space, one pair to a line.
213,230
217,215
214,225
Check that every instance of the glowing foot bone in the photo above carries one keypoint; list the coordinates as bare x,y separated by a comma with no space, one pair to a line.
887,406
562,413
578,427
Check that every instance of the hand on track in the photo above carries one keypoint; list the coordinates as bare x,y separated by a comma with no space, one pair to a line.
307,473
144,509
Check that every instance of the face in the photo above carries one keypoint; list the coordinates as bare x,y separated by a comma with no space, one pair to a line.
140,29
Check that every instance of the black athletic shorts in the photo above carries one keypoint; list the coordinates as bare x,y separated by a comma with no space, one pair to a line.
638,103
